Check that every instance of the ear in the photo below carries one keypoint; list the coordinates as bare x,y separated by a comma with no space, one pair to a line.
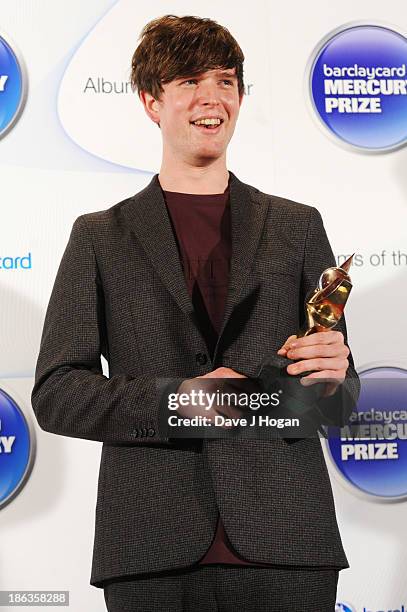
151,106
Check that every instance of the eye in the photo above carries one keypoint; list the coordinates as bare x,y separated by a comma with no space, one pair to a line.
227,81
188,81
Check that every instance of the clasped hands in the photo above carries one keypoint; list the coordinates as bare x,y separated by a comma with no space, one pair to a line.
322,355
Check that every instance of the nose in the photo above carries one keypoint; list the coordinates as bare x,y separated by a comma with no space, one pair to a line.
208,93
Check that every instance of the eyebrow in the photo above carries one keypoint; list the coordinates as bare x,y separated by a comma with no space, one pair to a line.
219,73
227,74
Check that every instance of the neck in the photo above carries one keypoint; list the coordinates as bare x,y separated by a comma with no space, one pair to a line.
186,178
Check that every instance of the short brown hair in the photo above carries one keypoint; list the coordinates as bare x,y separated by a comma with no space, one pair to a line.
172,47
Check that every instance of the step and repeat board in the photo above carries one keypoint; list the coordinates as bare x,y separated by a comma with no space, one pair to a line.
323,122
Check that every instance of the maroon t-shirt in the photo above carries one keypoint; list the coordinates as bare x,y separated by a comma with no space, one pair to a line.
203,231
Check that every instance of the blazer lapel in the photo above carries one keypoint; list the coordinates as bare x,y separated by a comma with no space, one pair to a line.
149,219
248,214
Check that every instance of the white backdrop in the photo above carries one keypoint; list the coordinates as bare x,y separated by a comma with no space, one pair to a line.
75,151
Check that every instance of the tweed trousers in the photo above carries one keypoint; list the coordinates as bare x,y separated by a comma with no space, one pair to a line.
222,588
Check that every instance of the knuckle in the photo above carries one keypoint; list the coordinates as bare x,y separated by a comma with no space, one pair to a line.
299,367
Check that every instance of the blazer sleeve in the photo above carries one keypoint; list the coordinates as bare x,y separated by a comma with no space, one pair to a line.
318,256
71,396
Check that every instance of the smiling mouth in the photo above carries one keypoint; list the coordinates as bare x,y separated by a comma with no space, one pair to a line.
207,124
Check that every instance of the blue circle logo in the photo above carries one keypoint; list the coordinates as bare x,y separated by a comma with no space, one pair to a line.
13,86
358,87
16,449
343,607
370,452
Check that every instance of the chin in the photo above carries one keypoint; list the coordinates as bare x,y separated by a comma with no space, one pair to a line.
204,160
209,154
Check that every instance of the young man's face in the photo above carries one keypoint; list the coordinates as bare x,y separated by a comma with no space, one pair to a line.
209,98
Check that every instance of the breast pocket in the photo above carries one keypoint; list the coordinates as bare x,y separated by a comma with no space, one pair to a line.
267,269
281,284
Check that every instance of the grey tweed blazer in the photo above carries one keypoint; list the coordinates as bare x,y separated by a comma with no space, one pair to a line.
120,292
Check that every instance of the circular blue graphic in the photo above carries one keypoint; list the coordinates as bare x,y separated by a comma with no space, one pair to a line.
16,448
12,86
358,87
343,607
371,452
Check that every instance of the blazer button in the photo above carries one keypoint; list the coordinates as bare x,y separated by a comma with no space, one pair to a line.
151,432
201,358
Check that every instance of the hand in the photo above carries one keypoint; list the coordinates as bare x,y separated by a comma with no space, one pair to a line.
229,411
325,354
247,386
223,372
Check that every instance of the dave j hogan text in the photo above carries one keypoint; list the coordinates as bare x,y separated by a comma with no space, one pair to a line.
256,420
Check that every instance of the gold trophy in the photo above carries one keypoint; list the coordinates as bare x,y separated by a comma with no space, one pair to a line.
325,305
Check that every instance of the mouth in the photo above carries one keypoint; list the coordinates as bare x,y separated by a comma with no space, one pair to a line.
208,124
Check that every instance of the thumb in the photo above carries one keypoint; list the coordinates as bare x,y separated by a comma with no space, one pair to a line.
284,348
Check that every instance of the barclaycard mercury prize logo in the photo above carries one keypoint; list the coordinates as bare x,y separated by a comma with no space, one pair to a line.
13,85
16,448
370,453
358,86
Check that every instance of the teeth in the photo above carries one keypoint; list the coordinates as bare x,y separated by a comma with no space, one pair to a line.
207,122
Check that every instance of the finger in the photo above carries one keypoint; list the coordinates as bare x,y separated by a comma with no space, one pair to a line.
224,372
318,350
328,337
319,364
328,376
283,349
231,411
227,413
330,387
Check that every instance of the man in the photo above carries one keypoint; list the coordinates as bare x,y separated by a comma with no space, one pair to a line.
198,275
